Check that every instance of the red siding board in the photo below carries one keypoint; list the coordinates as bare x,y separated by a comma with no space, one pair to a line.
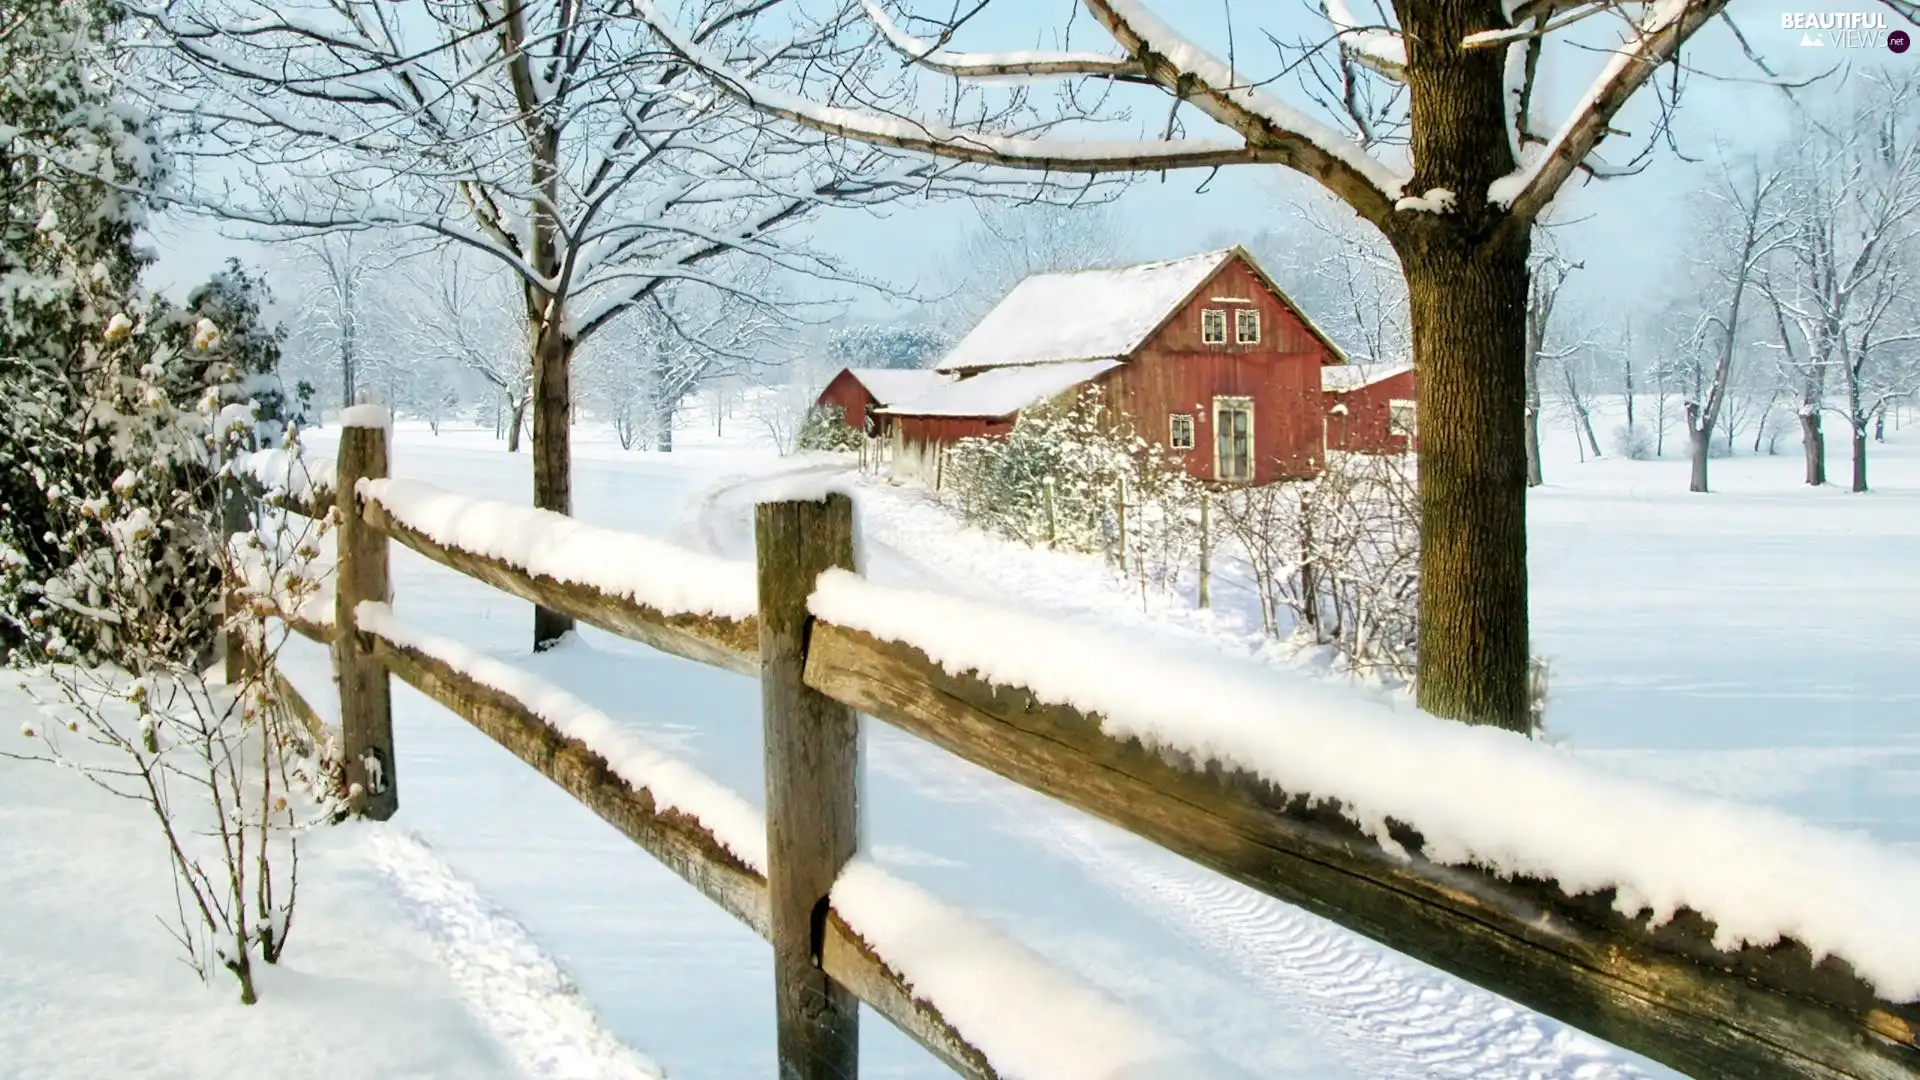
1366,427
846,392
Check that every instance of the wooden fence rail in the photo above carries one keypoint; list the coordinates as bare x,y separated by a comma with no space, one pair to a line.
1753,1014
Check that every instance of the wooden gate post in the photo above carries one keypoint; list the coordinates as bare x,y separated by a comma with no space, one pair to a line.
812,760
366,704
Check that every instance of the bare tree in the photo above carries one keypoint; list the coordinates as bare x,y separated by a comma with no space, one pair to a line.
556,138
1345,273
1844,292
1429,135
1743,231
451,308
337,276
656,356
1574,364
1010,242
1549,275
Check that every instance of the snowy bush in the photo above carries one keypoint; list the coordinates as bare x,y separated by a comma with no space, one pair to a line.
226,772
1073,476
826,428
1337,559
120,416
119,407
1340,555
1633,442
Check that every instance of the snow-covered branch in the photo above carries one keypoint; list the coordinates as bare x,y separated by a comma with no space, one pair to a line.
1269,131
932,56
1654,37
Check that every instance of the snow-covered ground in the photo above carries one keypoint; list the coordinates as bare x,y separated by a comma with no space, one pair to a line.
1744,643
396,968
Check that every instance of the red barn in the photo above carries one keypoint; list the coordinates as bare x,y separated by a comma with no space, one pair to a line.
1370,410
857,391
1205,355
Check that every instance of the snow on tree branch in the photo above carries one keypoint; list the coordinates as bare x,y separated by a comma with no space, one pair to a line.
1380,48
1654,38
1270,131
932,56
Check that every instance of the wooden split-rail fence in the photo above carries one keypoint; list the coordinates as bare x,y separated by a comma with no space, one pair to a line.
1665,992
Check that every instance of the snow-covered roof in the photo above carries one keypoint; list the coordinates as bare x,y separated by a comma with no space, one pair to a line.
890,385
1002,391
1344,377
1081,314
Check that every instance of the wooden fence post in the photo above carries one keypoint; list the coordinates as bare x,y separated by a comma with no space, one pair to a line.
1053,525
812,760
1206,550
366,705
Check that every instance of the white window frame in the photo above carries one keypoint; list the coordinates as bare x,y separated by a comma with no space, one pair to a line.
1229,404
1207,316
1398,407
1173,431
1242,318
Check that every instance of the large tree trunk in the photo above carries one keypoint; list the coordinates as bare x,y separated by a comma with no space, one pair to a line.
552,451
1860,455
1534,478
1697,441
517,423
662,418
1585,416
1813,443
1468,301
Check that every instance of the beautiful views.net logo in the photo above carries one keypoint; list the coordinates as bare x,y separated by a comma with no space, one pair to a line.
1846,30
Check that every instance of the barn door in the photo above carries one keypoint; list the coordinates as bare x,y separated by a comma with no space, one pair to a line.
1233,438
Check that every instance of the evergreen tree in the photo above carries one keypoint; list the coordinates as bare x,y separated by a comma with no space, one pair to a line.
115,407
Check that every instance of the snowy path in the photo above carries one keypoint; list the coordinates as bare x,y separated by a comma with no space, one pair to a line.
1381,1014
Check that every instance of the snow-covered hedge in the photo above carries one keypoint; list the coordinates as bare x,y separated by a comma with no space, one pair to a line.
1337,557
826,428
1059,477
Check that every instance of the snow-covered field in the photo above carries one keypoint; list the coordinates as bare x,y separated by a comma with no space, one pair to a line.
1747,643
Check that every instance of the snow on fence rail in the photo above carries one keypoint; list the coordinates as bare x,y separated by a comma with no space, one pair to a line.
1719,939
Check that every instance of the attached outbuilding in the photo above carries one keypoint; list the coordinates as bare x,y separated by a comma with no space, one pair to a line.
859,392
1371,409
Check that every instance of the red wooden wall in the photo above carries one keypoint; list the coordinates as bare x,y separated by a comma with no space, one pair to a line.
1176,373
947,430
846,392
1366,427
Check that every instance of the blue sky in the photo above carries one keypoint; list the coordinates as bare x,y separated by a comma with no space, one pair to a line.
1629,230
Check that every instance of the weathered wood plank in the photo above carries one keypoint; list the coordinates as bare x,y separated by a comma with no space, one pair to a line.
302,709
366,703
812,776
732,644
1757,1014
680,842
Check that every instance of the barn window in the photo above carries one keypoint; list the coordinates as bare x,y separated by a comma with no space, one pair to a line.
1180,432
1213,326
1233,438
1401,416
1246,326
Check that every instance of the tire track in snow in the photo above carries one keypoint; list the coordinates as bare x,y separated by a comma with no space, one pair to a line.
509,982
1389,1016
